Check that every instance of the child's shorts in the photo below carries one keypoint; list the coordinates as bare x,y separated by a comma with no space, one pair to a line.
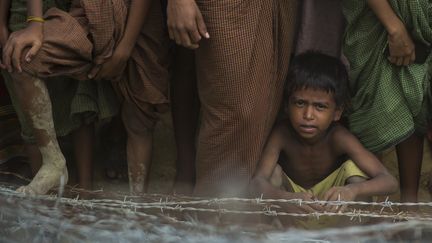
336,178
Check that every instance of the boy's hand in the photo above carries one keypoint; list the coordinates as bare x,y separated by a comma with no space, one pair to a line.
185,23
303,208
340,193
31,36
401,46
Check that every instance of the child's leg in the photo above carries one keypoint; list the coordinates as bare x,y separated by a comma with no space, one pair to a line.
113,138
36,104
410,156
185,112
139,146
83,140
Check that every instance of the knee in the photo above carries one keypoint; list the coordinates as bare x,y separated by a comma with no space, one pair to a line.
22,79
276,177
354,179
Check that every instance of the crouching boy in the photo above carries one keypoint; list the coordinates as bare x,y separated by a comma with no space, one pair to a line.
309,155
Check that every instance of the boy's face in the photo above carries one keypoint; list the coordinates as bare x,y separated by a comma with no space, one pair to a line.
311,112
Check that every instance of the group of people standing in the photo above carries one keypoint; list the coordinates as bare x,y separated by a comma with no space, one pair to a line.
226,93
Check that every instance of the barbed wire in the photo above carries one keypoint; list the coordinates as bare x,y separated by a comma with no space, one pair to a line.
268,207
146,210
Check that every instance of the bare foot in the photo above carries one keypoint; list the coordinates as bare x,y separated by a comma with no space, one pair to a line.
47,178
50,175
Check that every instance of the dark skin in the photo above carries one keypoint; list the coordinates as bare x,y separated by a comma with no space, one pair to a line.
186,25
315,147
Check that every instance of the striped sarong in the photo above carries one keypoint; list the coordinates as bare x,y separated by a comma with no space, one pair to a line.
241,71
389,102
86,36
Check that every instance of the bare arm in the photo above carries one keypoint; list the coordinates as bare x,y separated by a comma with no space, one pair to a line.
260,182
4,12
31,36
34,8
138,11
381,182
401,45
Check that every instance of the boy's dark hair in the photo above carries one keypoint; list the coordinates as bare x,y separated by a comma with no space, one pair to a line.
318,71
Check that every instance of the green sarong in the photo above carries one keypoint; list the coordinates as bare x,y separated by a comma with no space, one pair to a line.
74,103
389,103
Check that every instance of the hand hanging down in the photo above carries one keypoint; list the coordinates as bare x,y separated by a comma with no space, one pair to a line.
401,46
185,23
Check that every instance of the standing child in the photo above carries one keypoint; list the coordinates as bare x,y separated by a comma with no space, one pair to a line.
323,159
386,44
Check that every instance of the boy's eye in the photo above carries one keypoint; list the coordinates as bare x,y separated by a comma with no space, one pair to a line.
320,107
299,103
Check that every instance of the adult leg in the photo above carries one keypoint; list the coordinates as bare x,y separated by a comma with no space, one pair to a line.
410,156
31,150
36,105
34,156
185,112
240,71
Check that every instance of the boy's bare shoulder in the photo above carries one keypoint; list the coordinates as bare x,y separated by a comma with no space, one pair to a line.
341,137
338,131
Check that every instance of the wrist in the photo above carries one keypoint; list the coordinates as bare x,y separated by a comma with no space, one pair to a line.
122,52
35,25
355,189
394,27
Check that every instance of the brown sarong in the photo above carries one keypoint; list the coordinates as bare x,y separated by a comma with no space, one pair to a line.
74,42
321,26
241,71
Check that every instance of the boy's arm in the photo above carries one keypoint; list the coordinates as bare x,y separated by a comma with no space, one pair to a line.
115,65
401,46
31,36
260,181
381,182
